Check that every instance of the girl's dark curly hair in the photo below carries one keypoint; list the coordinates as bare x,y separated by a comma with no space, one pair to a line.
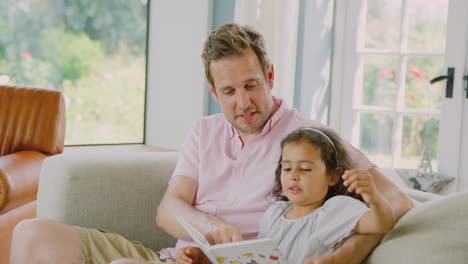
336,159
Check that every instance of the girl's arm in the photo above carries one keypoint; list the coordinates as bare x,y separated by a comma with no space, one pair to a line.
399,201
381,218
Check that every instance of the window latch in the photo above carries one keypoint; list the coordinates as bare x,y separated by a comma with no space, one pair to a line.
466,85
449,78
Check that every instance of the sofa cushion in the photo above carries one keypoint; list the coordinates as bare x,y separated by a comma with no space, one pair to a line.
432,232
114,191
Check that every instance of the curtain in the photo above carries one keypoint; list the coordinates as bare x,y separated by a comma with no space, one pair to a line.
278,21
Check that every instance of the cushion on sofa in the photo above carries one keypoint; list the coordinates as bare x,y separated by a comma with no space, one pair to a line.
117,192
432,232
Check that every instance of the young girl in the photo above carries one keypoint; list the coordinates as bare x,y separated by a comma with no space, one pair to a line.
318,197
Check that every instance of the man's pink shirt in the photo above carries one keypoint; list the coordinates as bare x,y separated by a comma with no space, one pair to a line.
235,182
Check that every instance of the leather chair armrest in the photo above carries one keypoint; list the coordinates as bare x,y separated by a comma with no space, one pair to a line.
19,177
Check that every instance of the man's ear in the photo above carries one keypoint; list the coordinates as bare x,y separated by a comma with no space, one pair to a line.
271,76
213,93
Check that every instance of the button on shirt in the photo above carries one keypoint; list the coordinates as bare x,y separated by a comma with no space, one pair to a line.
235,182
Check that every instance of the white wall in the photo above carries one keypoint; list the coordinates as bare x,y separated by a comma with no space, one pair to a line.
176,94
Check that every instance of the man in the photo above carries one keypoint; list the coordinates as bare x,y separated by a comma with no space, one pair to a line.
224,174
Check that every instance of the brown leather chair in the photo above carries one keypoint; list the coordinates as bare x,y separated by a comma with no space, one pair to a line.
32,127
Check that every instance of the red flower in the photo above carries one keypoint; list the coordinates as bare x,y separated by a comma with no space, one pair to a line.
25,54
412,96
95,76
384,73
417,72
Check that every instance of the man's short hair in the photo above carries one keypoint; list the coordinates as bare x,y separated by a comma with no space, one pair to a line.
232,40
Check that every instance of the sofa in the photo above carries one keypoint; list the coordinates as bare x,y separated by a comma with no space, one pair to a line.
32,127
119,192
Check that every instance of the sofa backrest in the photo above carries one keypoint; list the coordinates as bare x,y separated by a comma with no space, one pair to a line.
113,191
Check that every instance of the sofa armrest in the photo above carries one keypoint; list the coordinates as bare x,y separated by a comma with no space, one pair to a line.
19,176
415,195
419,196
117,192
430,233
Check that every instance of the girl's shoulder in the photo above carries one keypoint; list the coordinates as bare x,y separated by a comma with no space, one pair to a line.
277,208
340,202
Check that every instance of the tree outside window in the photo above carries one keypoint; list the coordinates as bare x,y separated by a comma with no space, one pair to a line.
94,51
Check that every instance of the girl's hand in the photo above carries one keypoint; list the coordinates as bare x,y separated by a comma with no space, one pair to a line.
191,255
380,219
361,182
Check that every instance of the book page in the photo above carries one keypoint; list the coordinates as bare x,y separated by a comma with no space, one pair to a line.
196,236
257,251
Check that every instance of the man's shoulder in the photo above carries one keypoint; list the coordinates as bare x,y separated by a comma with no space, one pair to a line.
291,115
292,120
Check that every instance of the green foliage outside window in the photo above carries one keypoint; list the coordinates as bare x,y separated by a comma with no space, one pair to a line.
94,51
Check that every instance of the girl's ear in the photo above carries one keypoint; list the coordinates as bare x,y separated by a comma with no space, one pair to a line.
335,177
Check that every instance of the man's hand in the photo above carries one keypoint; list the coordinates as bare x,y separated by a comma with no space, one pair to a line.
191,255
222,233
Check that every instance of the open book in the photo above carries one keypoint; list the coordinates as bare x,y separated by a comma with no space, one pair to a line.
257,251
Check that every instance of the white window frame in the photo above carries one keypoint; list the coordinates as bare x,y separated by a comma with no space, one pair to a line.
451,155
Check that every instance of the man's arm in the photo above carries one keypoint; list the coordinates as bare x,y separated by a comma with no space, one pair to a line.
178,201
355,249
399,202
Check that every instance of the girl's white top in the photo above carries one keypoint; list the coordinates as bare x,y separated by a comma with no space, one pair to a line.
318,233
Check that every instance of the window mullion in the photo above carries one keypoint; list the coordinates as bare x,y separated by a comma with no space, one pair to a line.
397,140
400,103
404,27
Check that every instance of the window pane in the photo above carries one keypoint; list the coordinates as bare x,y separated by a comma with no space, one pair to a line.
427,24
93,51
420,94
383,24
419,133
380,80
376,139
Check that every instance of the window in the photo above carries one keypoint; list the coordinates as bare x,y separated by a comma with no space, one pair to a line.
395,112
423,39
93,51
